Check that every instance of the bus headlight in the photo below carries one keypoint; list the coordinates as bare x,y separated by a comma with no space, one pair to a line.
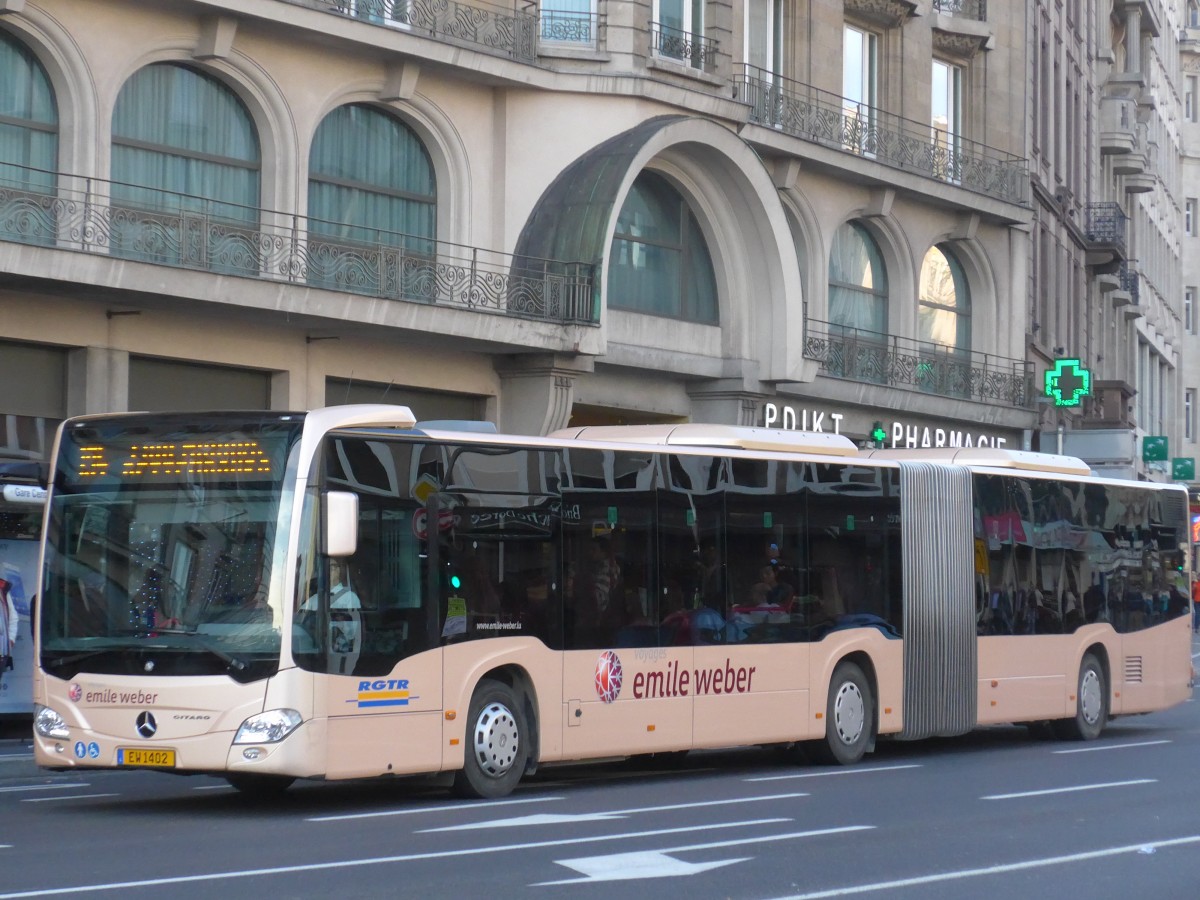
269,727
48,723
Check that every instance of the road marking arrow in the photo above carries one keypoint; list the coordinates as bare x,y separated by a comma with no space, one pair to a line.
627,866
524,821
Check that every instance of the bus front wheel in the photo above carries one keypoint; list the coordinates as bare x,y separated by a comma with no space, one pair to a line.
849,717
498,742
1091,704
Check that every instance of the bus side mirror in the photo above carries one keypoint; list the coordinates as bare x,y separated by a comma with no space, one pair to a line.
340,516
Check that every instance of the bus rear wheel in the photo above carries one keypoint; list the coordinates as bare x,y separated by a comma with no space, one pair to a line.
1091,704
849,717
498,741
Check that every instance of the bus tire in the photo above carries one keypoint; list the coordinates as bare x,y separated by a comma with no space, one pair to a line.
259,787
497,743
1091,704
849,717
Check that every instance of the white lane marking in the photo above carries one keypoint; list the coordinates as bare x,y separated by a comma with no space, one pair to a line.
1069,790
568,818
26,756
383,860
424,809
1112,747
631,866
606,871
848,771
214,787
43,787
68,797
528,821
992,870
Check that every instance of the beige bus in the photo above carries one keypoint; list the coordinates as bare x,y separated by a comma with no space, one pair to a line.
346,593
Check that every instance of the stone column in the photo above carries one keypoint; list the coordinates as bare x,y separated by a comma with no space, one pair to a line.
537,392
97,381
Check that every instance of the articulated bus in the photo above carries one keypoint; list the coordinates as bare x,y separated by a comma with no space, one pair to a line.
346,593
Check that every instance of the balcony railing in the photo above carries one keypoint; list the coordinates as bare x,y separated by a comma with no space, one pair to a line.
580,29
181,231
693,50
1129,282
868,356
824,118
1107,225
480,25
967,9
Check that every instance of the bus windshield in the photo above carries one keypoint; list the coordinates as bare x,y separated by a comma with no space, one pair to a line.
159,546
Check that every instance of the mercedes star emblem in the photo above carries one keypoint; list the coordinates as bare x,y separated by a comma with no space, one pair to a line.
146,726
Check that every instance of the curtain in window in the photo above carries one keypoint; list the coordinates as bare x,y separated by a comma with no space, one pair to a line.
858,291
659,262
28,121
371,180
945,305
183,141
372,197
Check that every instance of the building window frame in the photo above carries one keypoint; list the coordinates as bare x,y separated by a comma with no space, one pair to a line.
679,31
659,261
860,88
946,124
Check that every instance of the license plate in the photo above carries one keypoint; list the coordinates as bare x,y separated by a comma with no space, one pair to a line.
162,759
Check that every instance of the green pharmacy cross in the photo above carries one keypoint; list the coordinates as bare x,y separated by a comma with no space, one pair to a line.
1068,382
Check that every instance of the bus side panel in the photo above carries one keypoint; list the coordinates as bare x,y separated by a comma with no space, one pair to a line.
750,694
384,725
1022,678
887,659
467,663
647,708
1154,667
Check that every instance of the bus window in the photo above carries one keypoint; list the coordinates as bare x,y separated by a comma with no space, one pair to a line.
497,515
610,568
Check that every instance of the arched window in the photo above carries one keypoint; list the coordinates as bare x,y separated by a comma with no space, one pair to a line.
185,156
184,138
944,324
858,285
944,316
371,188
660,262
28,144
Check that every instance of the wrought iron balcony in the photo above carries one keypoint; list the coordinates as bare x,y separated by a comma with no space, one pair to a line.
480,25
580,29
868,356
824,118
693,50
1130,282
81,214
1107,225
967,9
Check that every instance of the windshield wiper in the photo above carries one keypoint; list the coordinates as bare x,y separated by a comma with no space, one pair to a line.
233,662
56,659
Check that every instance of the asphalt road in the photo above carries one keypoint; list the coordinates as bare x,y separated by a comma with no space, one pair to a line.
992,814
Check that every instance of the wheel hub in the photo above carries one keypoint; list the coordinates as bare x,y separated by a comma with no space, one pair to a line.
849,713
1090,700
496,739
